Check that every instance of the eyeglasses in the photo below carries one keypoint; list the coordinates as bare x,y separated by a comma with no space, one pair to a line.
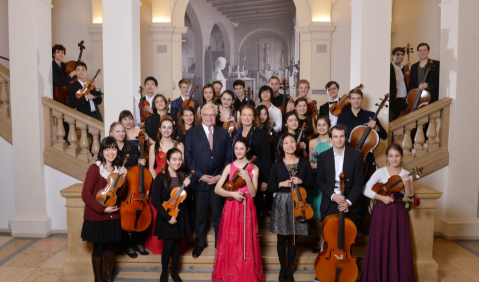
208,115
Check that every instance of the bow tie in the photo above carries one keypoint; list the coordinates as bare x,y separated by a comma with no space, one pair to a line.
333,102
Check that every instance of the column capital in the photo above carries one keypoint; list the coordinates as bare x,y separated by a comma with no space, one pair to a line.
322,31
96,29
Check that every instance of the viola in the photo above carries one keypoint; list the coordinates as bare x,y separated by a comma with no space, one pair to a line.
143,103
406,70
416,98
189,101
237,182
88,86
336,262
338,108
394,184
177,196
107,196
249,95
229,126
166,111
363,138
300,136
61,93
135,212
302,210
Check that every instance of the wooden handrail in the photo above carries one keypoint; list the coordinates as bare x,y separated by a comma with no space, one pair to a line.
72,113
419,114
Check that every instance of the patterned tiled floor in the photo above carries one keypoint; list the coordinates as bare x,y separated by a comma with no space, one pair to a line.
40,260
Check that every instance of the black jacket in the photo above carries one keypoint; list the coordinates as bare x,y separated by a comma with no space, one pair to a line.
279,173
392,83
432,80
82,105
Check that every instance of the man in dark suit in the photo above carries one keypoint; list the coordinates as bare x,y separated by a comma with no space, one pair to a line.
418,71
207,152
87,104
185,87
331,163
397,84
332,88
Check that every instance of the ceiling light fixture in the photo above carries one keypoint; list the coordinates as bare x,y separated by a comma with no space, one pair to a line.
235,23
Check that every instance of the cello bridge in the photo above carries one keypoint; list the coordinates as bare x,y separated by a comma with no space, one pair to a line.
339,257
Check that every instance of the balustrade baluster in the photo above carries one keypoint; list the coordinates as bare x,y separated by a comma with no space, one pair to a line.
60,143
84,154
431,133
407,142
398,136
72,137
420,138
95,147
4,98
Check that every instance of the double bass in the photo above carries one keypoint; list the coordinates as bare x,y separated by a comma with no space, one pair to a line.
336,262
143,103
189,101
60,94
177,196
88,86
237,182
394,183
338,108
416,98
135,211
107,196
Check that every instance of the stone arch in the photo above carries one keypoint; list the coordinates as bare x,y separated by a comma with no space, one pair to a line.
226,40
199,52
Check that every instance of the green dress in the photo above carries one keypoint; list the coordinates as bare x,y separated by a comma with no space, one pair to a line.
315,196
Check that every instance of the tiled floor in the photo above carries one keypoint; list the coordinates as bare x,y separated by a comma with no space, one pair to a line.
40,260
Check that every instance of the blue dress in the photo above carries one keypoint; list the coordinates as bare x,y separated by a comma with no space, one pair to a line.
315,195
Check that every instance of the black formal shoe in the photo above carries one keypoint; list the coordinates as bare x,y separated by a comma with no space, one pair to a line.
361,227
143,253
316,279
197,251
282,275
289,276
176,277
164,276
131,253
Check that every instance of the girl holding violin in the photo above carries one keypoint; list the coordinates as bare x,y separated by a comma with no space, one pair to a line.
317,146
225,111
167,228
291,125
246,264
185,122
101,225
389,223
152,123
126,119
208,97
301,108
280,182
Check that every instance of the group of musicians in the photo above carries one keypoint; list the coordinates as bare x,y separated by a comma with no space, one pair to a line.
225,137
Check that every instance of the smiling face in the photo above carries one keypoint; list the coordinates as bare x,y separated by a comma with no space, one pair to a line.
239,90
175,161
289,145
398,57
217,87
292,122
394,158
423,53
356,100
160,104
188,117
274,83
81,72
339,138
301,108
333,92
127,122
322,127
118,133
265,96
208,94
59,54
208,116
226,100
303,90
263,115
150,86
240,150
110,154
166,128
185,89
247,117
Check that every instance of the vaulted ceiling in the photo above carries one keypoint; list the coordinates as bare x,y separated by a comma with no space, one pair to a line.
246,10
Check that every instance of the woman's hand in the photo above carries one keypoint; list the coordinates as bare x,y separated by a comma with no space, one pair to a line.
238,196
387,200
302,145
142,162
111,209
296,180
286,183
172,221
186,182
314,165
244,174
406,179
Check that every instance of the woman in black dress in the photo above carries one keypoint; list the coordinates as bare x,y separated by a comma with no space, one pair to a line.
167,228
152,123
280,182
208,97
225,111
101,225
301,108
185,122
291,125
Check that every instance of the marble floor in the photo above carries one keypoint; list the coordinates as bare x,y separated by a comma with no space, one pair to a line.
40,260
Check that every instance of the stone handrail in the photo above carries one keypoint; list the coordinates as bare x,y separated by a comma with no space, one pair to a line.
429,150
5,120
74,155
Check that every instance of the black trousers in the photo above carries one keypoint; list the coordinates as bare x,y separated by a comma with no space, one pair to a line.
260,205
203,201
128,240
396,107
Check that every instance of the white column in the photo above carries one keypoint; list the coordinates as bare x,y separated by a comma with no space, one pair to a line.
121,56
458,75
96,29
29,23
370,46
162,58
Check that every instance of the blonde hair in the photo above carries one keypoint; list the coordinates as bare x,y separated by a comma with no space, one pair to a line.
186,81
302,81
115,124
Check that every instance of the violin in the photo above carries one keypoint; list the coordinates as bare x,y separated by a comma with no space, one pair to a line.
302,210
338,108
166,111
300,136
107,196
313,107
249,94
406,69
135,212
336,262
394,184
88,86
416,98
143,103
189,101
237,182
271,131
229,126
60,94
363,138
177,196
286,99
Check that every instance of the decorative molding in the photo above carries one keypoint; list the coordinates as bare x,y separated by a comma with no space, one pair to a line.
96,29
31,226
460,228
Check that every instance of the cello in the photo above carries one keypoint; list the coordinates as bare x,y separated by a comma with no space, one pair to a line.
60,94
88,86
237,182
107,196
364,139
135,212
406,69
336,262
394,184
338,108
416,98
189,101
143,103
178,195
302,210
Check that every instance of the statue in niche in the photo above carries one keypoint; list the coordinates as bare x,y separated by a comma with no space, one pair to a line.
208,63
265,49
245,62
220,64
280,61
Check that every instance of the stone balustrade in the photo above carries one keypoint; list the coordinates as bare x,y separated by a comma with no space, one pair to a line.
424,148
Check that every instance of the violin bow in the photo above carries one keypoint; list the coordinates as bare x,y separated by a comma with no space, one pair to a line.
244,228
292,205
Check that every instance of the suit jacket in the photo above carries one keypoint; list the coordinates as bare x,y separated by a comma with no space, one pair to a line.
200,158
176,107
326,179
345,118
432,80
324,109
392,83
82,105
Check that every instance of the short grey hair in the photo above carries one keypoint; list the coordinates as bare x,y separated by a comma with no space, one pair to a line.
209,105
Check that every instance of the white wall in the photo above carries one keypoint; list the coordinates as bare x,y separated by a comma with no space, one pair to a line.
4,32
7,201
146,41
341,45
437,180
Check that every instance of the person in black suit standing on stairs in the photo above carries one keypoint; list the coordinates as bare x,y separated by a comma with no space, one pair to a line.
331,163
87,104
418,71
207,152
332,88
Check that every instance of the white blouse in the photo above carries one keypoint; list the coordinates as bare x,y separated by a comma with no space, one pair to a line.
382,175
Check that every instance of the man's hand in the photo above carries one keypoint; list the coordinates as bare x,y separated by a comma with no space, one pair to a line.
264,186
372,124
148,109
206,178
90,97
73,73
423,86
213,179
344,206
339,199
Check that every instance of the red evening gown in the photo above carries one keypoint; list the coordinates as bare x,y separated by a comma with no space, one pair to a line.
229,264
152,243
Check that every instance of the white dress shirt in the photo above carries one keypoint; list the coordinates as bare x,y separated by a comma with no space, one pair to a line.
382,175
276,116
207,132
338,166
137,109
333,118
400,84
92,104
